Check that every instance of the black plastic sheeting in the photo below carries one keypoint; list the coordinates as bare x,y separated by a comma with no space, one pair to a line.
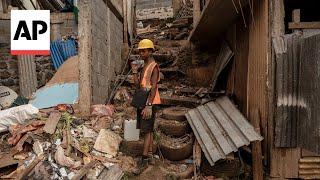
297,115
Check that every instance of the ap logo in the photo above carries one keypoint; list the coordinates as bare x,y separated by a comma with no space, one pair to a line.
30,32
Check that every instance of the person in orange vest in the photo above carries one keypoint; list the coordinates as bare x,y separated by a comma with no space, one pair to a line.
147,77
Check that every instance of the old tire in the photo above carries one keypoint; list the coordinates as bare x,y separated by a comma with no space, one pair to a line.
177,154
175,113
134,148
172,127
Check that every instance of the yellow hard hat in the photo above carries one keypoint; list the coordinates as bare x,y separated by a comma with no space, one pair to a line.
146,44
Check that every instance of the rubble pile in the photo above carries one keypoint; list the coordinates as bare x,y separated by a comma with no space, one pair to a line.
58,145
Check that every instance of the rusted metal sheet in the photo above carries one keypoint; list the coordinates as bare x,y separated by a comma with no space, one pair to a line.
220,128
287,83
298,80
309,97
309,168
27,75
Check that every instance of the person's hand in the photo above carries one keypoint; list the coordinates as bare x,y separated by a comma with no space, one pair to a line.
147,112
134,67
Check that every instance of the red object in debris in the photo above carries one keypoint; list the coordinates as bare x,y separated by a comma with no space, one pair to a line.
65,108
102,110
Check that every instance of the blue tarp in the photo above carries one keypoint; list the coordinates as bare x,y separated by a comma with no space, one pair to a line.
61,50
51,96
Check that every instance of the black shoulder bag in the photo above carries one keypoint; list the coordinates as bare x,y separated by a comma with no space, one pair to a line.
141,95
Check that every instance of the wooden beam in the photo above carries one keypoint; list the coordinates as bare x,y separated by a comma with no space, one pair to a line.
84,170
256,148
52,122
296,17
85,56
196,11
28,169
304,25
211,23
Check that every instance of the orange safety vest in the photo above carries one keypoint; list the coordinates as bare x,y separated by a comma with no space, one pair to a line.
146,81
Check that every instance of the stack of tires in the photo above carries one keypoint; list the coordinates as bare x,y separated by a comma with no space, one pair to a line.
176,139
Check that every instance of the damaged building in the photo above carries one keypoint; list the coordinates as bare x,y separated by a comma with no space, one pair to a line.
238,88
270,75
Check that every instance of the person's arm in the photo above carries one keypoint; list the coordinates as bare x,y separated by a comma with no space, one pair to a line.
147,111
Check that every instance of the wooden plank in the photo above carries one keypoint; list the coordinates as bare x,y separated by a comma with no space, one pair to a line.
85,56
257,65
8,160
84,170
304,25
52,122
196,11
30,167
257,168
115,173
285,162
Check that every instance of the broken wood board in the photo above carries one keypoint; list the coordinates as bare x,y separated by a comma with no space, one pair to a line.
114,173
8,160
29,168
52,122
84,170
304,25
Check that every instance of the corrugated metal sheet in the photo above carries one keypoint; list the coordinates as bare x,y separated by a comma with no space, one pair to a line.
287,83
222,60
309,168
27,75
220,128
62,50
309,96
297,84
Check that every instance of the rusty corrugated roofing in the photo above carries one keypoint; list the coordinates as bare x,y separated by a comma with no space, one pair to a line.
309,168
220,128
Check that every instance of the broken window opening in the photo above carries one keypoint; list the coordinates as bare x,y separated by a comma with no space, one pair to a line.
309,11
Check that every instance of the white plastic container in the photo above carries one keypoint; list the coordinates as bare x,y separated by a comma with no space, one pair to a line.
131,133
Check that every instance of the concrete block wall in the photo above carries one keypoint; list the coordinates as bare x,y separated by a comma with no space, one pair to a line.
100,63
69,25
100,44
107,42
